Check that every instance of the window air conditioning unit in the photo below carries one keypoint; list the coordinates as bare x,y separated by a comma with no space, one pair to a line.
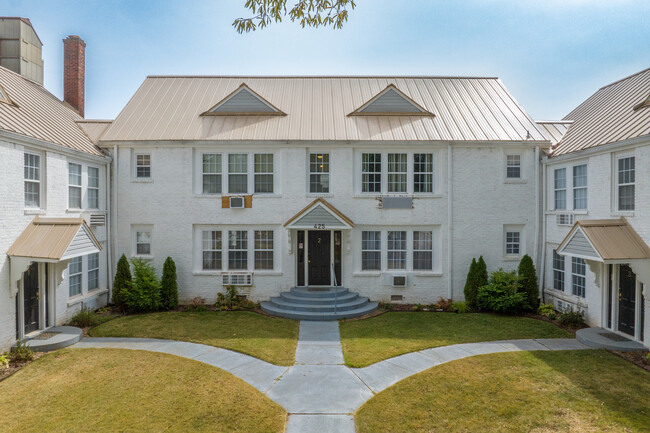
399,280
237,279
564,219
236,202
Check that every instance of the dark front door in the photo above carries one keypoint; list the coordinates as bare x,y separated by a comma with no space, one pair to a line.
319,258
30,292
626,299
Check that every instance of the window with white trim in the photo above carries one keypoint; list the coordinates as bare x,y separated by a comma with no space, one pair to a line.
370,250
211,250
559,184
238,250
238,173
513,166
74,186
396,251
422,250
32,180
93,188
578,276
422,173
263,168
211,177
513,242
371,172
626,179
75,268
580,186
397,172
93,271
558,271
263,249
319,173
143,242
143,165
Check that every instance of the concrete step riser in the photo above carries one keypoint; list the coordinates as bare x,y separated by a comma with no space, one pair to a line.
369,308
291,298
359,303
304,293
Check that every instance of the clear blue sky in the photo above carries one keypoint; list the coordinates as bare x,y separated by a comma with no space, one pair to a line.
551,54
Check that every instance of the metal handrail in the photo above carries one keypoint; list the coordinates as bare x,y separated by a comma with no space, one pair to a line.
336,290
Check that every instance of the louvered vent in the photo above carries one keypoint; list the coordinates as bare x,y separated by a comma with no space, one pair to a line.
97,219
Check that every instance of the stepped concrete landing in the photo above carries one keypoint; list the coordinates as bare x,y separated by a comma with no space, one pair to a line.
319,304
605,339
53,338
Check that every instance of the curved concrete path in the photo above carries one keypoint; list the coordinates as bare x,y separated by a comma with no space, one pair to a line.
319,392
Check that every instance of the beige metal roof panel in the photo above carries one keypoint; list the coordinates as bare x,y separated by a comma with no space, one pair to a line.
465,109
609,116
48,238
554,129
94,129
38,114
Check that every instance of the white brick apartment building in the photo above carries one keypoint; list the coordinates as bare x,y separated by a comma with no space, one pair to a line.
293,181
599,177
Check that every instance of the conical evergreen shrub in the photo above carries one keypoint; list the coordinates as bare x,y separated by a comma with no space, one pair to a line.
471,285
482,272
121,281
528,281
169,285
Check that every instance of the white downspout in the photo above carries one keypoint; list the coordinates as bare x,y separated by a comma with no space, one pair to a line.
450,231
537,208
542,268
114,197
109,231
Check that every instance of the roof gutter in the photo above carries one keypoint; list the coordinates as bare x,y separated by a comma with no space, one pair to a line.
603,148
29,141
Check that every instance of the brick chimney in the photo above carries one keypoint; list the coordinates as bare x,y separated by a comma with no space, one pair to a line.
74,71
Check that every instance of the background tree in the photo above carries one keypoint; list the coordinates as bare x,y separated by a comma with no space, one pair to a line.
309,13
528,281
169,285
471,285
121,281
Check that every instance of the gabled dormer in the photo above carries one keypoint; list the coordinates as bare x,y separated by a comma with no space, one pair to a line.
244,102
4,96
644,104
391,102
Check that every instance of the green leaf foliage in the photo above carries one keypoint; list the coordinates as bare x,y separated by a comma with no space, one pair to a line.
143,293
528,280
482,272
471,285
502,294
169,285
121,281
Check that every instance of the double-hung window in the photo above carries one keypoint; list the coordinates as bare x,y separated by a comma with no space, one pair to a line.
626,175
32,180
513,242
319,173
143,166
559,184
578,271
397,172
211,173
212,247
422,250
74,186
93,271
580,186
371,172
263,249
143,242
93,188
371,250
238,173
423,173
513,166
74,276
396,251
263,172
238,249
558,271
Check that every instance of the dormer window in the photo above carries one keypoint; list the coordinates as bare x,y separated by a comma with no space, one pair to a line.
644,104
391,102
4,97
244,102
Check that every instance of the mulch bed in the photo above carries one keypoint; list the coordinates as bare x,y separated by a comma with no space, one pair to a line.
15,366
637,358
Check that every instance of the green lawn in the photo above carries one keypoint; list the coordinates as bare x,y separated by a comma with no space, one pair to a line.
97,390
371,340
541,392
271,339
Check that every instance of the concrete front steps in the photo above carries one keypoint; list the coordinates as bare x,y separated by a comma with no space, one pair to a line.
319,303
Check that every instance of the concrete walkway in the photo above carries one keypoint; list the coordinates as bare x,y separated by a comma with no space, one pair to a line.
319,392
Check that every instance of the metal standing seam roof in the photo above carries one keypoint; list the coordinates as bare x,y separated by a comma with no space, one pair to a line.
465,109
94,128
48,238
554,129
38,114
613,239
609,116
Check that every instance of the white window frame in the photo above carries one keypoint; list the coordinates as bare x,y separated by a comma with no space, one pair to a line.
233,249
396,168
93,273
620,184
245,173
426,173
584,187
75,186
218,173
257,248
512,241
257,173
578,277
142,228
557,189
393,251
93,189
512,164
385,174
559,274
137,164
322,173
372,246
372,173
212,247
76,260
420,250
35,180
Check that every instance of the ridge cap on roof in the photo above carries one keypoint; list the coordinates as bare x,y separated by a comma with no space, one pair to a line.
624,79
554,121
440,77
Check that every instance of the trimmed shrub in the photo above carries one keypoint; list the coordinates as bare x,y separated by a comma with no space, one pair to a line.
459,307
143,293
502,294
547,310
169,285
471,285
22,352
528,281
196,305
482,272
4,361
84,318
232,301
442,304
571,319
121,281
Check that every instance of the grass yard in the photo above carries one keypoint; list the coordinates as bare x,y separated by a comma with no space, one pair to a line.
271,339
541,392
371,340
93,390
